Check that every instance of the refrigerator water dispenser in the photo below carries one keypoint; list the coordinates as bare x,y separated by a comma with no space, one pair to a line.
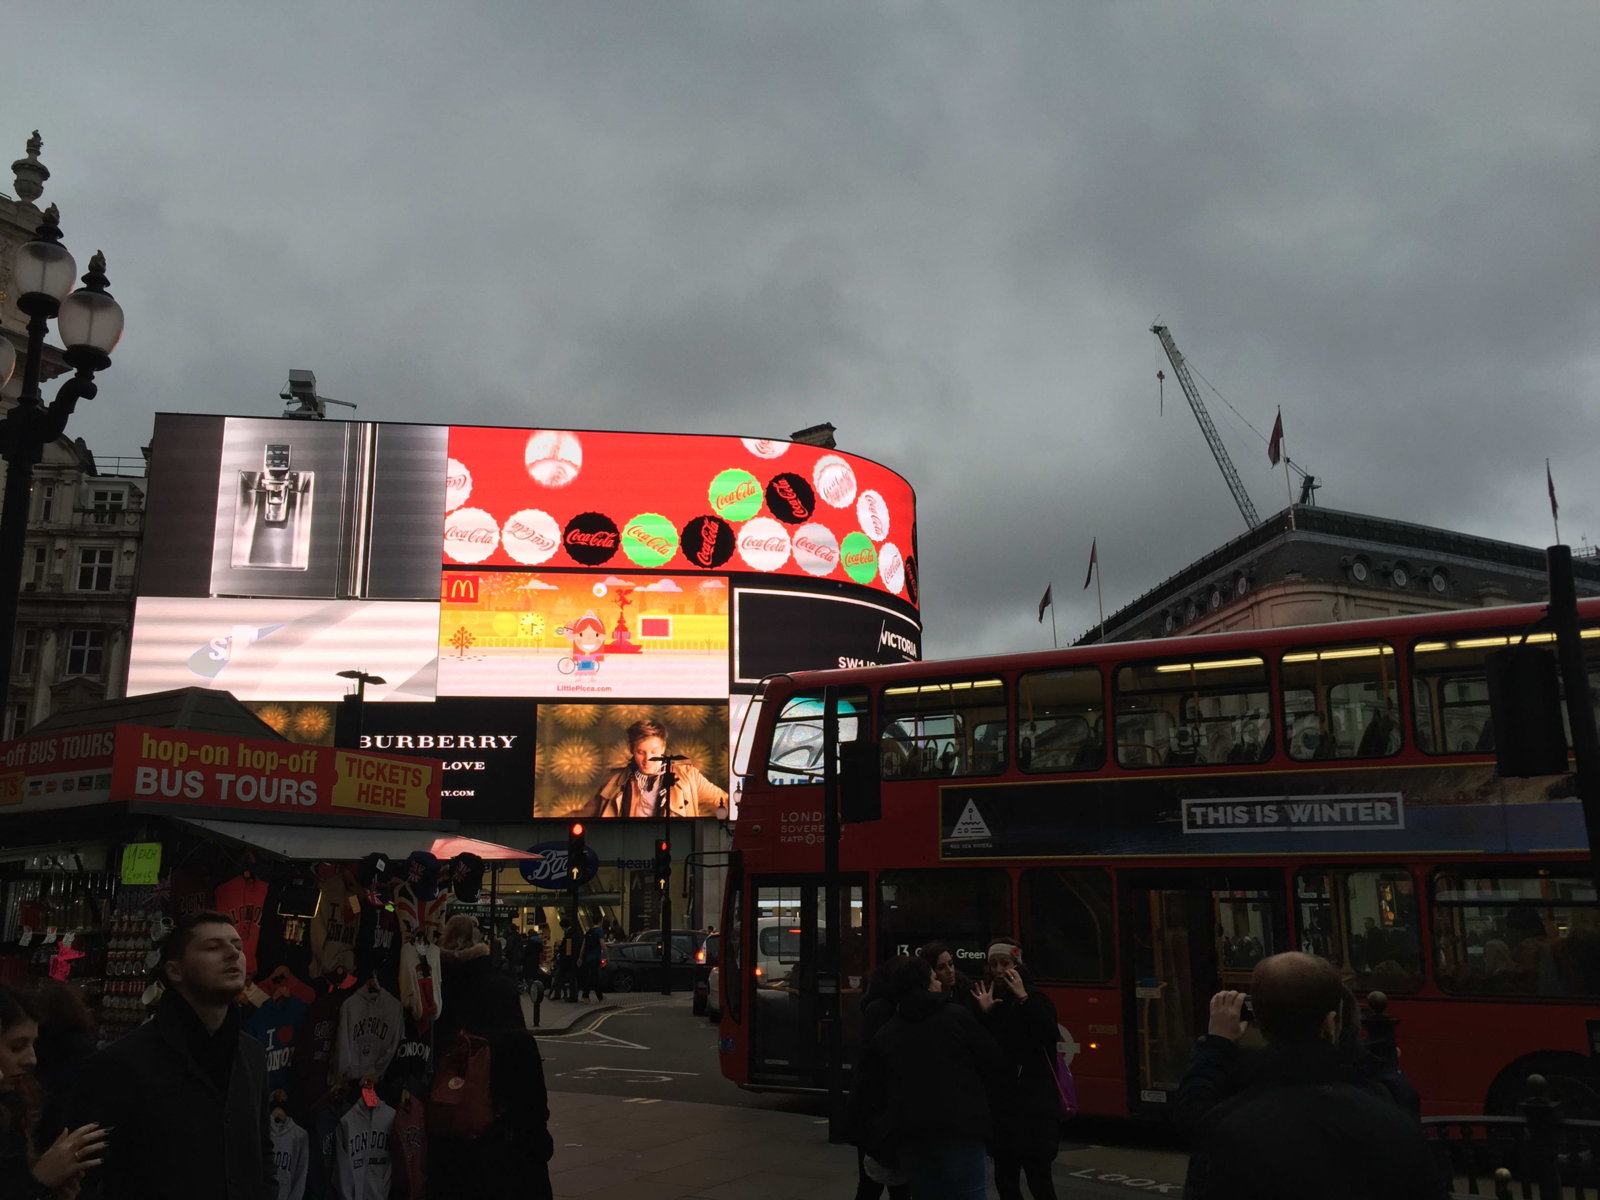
272,524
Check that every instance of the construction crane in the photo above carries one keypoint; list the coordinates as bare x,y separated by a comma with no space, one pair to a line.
1218,450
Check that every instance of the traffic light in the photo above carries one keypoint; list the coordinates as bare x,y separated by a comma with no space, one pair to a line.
577,854
663,862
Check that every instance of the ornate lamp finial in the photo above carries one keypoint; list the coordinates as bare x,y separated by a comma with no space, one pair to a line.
29,172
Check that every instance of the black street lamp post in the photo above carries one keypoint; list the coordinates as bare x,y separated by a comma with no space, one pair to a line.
357,705
89,322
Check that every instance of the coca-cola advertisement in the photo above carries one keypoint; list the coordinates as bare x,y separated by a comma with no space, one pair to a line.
672,502
563,636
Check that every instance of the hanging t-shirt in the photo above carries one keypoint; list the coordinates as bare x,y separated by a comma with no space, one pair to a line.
326,1114
291,1157
277,1025
189,892
314,1059
333,931
378,942
408,1148
413,1060
362,1170
370,1024
243,900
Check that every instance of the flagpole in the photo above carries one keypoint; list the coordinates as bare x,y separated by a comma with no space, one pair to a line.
1054,645
1555,518
1288,488
1100,601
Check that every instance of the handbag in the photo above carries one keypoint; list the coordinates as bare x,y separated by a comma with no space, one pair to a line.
1066,1088
881,1173
461,1104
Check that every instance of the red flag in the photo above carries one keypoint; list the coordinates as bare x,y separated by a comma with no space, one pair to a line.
1551,484
1094,561
1044,603
1275,444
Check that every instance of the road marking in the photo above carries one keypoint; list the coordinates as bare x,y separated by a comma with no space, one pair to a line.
640,1100
1129,1181
632,1071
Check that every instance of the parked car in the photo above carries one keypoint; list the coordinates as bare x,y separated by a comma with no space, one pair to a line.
687,940
705,962
636,967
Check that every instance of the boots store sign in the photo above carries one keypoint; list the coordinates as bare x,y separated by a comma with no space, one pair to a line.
549,870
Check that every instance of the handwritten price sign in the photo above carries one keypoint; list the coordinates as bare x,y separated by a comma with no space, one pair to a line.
141,863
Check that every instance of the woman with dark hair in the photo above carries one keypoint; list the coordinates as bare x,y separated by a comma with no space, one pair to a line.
66,1041
23,1173
638,787
512,1158
1027,1124
953,985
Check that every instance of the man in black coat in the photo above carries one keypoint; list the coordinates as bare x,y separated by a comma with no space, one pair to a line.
185,1094
1301,1126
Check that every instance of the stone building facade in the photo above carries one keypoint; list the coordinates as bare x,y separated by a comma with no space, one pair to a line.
1308,566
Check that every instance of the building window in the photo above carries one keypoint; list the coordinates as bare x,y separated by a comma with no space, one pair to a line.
35,565
47,501
105,506
86,652
16,719
94,569
27,651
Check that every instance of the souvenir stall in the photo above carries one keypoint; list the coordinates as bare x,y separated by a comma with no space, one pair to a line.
335,869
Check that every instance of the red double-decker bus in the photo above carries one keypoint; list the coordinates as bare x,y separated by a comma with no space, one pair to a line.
1150,819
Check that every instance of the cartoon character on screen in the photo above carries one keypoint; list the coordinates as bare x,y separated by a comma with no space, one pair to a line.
587,635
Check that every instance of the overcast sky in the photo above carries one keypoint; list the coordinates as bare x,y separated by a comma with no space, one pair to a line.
945,228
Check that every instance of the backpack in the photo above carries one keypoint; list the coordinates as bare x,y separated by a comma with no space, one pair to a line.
460,1105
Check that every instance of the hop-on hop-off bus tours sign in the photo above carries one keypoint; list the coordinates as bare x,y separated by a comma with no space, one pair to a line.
267,779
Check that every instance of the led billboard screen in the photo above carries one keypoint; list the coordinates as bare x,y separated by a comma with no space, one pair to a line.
782,630
600,576
594,760
275,649
557,636
546,498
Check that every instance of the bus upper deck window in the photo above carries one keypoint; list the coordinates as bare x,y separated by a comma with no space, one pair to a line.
934,729
796,753
1450,690
1061,720
1191,713
1341,702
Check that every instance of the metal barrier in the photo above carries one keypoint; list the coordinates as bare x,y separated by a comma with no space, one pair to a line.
1537,1156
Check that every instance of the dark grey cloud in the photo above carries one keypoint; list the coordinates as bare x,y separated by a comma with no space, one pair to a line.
944,227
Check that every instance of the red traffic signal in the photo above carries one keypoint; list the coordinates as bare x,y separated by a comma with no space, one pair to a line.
577,854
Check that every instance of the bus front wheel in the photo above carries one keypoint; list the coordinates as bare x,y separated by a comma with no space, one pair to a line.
1570,1079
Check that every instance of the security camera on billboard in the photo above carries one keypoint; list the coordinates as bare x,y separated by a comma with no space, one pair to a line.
639,635
631,761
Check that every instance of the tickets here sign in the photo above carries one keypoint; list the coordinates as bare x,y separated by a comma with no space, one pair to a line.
274,777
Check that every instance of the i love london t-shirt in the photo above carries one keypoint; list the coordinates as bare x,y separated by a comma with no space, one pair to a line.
242,900
277,1025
